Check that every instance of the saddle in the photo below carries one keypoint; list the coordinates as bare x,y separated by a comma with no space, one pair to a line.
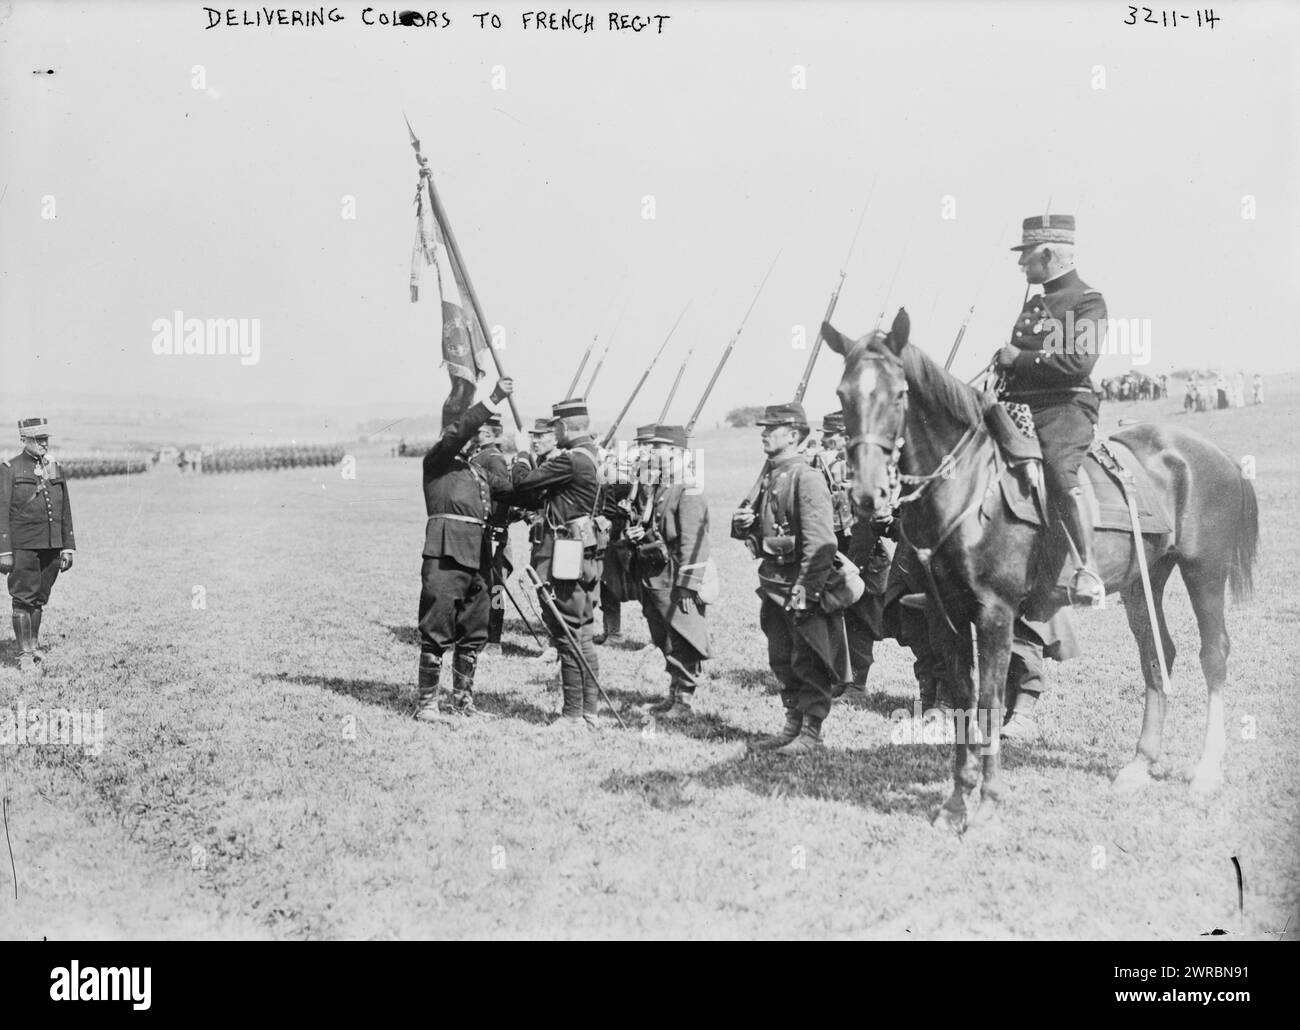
1021,488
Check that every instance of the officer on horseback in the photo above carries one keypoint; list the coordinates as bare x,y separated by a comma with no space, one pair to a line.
1046,364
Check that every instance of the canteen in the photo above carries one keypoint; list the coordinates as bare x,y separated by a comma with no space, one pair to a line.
566,561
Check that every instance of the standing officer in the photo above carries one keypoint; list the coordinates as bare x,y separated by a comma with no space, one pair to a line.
671,535
790,530
864,543
568,482
488,456
619,581
1052,351
36,541
454,596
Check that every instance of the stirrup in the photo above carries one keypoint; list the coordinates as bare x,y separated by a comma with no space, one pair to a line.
1090,600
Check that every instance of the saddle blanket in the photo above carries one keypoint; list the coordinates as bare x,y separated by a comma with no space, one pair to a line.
1101,490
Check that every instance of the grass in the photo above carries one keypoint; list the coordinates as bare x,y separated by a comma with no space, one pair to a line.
250,639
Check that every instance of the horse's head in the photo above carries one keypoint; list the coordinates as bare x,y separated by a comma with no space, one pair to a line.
873,397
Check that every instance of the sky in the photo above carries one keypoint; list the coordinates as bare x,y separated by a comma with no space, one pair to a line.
166,166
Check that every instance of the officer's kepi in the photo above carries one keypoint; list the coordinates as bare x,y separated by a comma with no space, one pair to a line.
571,408
30,427
1041,229
791,414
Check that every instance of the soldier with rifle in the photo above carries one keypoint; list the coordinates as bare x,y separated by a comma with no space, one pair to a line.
619,582
488,456
670,531
570,554
789,529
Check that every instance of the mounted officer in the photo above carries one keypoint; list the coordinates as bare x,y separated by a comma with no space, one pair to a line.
790,530
455,600
568,483
671,535
36,541
1047,362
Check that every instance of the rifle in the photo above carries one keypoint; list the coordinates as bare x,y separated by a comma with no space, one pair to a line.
802,388
663,415
695,415
605,353
573,386
438,213
613,429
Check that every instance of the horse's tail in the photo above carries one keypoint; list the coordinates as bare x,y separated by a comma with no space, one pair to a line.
1244,544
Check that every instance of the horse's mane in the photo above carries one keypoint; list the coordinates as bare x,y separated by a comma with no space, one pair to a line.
965,404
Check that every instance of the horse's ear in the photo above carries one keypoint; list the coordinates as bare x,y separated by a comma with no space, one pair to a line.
900,331
835,340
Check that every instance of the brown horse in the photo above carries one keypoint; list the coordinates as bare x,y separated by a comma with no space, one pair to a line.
906,415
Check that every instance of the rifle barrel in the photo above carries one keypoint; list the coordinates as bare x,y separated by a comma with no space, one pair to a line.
573,386
613,429
695,415
663,415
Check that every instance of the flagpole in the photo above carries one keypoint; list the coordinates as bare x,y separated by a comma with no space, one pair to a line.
441,215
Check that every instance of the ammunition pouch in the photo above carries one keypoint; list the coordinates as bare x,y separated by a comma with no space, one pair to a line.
780,550
843,586
652,556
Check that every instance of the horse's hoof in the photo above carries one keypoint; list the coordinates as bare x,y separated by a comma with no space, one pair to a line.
949,821
1204,781
1134,776
985,826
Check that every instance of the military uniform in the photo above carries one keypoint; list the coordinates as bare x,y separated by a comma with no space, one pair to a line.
1058,336
491,459
36,537
672,556
793,536
1057,339
864,543
619,581
455,600
568,483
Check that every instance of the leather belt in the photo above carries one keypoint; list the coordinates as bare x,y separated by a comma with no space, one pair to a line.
458,518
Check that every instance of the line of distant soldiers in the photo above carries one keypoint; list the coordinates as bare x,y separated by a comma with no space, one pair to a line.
632,525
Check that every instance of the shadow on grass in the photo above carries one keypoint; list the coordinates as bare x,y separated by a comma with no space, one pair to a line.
911,780
372,692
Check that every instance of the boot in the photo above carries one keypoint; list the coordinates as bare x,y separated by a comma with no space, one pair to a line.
571,714
809,739
1087,587
1020,724
36,634
793,724
611,616
590,704
427,709
22,621
667,703
463,666
683,707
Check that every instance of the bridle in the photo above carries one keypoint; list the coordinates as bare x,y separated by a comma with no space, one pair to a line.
892,444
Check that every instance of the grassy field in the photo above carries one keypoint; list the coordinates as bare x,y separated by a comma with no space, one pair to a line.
250,640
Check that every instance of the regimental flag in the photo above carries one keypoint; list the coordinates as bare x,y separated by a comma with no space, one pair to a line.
463,339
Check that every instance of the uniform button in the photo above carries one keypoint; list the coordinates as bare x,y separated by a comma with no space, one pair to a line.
1019,334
